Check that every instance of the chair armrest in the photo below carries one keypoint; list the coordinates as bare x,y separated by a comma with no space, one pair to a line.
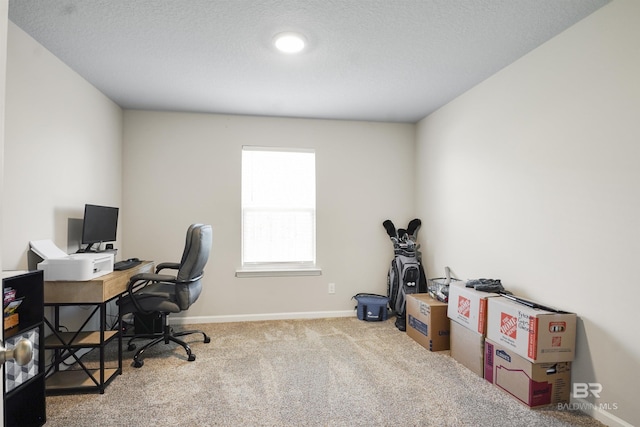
150,277
139,281
168,265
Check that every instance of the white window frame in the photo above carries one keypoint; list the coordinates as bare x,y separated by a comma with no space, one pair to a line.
262,269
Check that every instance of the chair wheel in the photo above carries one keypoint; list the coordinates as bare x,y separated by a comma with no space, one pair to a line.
192,357
131,347
138,363
207,340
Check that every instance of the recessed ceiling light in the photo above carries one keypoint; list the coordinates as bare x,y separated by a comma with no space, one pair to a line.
289,42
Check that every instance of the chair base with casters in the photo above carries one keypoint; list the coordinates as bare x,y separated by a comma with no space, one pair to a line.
168,335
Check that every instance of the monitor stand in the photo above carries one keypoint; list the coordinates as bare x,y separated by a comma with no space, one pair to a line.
90,249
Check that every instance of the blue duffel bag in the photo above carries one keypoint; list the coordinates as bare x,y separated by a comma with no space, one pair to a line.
372,307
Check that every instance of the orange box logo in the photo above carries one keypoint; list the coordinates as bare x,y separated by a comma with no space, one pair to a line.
508,325
556,342
464,306
555,327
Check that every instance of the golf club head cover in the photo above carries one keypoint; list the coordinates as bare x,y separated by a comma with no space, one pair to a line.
402,234
391,229
414,226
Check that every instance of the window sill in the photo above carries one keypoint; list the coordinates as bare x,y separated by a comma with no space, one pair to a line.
278,272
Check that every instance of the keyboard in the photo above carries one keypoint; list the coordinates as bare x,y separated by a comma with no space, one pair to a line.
125,265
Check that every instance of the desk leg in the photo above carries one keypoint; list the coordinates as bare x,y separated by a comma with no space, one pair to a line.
103,325
56,324
120,332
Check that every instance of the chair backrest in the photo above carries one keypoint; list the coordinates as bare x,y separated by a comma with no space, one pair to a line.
187,243
194,258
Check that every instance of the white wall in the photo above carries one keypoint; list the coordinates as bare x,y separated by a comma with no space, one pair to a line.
532,177
63,148
181,168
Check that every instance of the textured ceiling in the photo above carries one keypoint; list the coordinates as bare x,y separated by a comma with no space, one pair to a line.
377,60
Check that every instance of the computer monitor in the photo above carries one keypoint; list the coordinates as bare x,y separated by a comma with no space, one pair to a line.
100,225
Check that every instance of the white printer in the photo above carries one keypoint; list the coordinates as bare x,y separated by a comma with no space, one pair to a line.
57,265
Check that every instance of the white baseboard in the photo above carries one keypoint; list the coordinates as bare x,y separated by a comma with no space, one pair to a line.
599,412
257,317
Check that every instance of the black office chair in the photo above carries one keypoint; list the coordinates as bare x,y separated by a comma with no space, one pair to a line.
149,293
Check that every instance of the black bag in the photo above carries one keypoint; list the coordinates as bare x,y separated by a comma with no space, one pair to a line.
372,307
406,275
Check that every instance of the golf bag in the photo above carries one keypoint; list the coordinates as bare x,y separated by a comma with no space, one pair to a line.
406,275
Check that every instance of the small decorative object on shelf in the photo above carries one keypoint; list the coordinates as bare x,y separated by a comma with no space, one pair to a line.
11,321
11,304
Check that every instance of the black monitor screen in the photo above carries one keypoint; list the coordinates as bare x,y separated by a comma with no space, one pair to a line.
100,224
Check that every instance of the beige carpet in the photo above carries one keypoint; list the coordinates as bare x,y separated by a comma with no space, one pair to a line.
327,372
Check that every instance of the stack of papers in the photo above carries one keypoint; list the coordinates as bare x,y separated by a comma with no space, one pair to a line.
46,249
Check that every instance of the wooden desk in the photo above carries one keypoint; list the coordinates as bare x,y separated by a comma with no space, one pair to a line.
94,293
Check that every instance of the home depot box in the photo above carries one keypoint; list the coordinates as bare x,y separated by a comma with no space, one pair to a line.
468,307
467,347
535,334
427,322
534,384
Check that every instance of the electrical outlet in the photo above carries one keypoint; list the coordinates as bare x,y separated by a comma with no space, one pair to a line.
332,288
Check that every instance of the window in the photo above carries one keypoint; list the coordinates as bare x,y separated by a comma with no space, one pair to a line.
278,209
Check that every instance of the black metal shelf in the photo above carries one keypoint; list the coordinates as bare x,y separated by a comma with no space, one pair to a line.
24,386
81,377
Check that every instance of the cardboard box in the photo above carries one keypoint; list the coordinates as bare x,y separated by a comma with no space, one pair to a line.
533,384
427,322
467,347
468,307
535,334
